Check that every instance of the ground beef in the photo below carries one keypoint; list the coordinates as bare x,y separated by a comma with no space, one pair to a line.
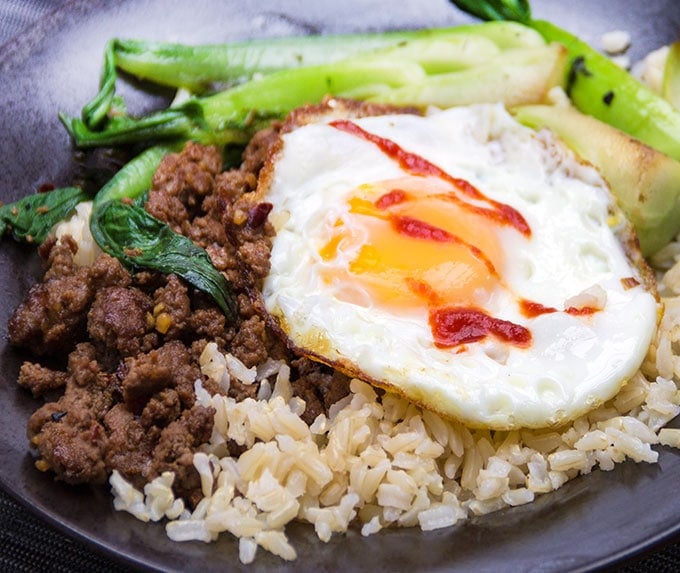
59,257
170,366
53,317
118,320
161,409
172,308
133,340
180,183
259,147
255,254
107,271
211,324
206,231
68,433
130,445
73,447
176,447
250,343
318,385
39,379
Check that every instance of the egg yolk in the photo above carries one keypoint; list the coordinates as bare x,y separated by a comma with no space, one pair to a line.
410,245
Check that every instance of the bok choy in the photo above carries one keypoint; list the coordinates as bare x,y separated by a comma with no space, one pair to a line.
595,84
196,68
441,67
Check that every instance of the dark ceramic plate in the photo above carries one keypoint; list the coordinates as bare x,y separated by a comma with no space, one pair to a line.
592,521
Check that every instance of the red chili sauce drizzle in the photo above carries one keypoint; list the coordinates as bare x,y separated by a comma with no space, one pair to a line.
417,229
394,197
583,311
532,309
454,326
417,165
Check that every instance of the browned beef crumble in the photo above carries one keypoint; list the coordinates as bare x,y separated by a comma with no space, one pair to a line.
133,340
39,379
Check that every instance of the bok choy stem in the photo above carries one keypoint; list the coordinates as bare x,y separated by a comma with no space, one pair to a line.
195,68
447,71
598,87
595,84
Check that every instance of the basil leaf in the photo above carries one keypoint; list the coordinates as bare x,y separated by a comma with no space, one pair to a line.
139,240
31,218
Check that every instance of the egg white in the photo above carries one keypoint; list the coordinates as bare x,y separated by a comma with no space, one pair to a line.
574,363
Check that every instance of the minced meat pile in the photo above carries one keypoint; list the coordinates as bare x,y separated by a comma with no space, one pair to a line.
116,352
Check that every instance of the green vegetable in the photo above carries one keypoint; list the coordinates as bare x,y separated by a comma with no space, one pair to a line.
233,115
31,218
595,84
421,72
513,10
134,178
515,77
600,88
645,182
671,76
197,67
97,110
125,230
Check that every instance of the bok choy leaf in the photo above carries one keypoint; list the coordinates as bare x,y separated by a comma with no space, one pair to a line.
513,10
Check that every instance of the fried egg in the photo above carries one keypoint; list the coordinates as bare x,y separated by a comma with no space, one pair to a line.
460,259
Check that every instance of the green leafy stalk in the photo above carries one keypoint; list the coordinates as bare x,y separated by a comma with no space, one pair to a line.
31,218
514,10
595,84
181,123
96,111
135,178
236,113
598,87
645,182
671,76
125,230
197,67
233,115
172,123
513,77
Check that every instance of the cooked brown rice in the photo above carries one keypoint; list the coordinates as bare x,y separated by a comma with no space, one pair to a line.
383,462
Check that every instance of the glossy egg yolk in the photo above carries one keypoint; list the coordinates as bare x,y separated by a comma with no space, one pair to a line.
409,244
